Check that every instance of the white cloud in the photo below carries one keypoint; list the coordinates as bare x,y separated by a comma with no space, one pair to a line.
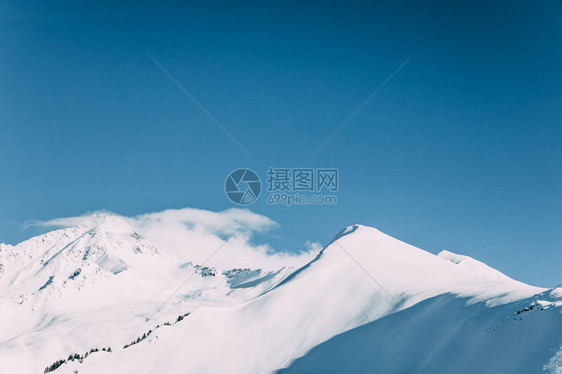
195,234
89,219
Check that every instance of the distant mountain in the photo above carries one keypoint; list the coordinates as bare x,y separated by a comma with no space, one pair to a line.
367,303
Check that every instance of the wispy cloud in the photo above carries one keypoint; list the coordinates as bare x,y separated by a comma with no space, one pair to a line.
87,219
192,234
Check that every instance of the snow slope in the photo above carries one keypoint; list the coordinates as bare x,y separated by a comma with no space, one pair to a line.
367,302
445,335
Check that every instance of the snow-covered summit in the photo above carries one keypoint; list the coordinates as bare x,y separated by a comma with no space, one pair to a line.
112,224
402,269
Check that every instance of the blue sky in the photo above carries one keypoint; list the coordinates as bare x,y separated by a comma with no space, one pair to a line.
461,150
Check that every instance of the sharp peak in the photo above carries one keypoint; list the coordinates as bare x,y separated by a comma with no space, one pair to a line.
353,228
345,231
110,223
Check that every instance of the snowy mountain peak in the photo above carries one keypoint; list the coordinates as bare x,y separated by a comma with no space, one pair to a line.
404,272
113,224
77,256
346,231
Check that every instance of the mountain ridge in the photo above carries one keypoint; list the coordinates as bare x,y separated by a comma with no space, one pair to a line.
362,277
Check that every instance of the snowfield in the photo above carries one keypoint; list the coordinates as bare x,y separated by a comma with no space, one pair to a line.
367,303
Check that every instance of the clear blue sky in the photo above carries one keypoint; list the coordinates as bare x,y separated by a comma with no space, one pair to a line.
461,150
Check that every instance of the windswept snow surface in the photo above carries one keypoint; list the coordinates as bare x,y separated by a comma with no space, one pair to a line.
367,303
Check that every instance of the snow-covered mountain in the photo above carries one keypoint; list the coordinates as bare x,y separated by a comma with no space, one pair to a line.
367,303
